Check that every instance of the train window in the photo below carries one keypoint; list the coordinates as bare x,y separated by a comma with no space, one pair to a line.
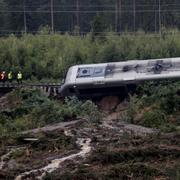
91,72
85,72
99,71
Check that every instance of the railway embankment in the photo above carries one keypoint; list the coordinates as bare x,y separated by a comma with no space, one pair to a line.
44,138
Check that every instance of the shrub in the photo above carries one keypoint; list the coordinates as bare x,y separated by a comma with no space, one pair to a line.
153,119
41,57
36,110
90,110
168,127
83,109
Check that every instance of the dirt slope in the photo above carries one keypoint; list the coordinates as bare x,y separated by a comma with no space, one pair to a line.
80,149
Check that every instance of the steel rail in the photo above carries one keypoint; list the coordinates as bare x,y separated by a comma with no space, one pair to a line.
49,85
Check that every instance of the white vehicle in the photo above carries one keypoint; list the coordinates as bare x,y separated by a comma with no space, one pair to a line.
110,78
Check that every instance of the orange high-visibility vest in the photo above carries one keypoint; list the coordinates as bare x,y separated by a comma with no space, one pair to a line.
2,76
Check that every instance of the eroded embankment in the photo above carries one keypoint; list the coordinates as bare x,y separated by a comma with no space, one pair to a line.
42,150
109,129
84,143
119,148
126,151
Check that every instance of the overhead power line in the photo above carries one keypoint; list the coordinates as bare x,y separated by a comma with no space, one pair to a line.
82,11
87,6
157,12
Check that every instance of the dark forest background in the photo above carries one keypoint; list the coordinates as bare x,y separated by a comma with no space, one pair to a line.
81,16
97,24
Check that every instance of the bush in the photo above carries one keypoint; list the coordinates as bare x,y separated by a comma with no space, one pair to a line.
83,109
36,110
42,57
168,127
90,110
153,119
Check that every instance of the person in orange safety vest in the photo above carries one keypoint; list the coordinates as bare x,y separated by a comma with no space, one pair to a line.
3,76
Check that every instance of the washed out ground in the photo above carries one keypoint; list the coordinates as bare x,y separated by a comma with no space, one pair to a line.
84,147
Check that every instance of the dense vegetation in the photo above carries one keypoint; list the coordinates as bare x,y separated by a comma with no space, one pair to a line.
156,105
48,56
25,109
45,56
114,155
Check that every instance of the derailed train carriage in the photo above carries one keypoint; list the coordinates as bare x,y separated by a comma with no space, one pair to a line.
117,77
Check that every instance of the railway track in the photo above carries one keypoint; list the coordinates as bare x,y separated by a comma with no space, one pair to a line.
50,89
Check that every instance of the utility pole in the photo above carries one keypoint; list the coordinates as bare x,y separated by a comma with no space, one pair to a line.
160,17
118,15
120,18
52,16
155,19
134,15
77,13
24,14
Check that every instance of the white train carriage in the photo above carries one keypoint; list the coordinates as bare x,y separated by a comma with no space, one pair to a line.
110,78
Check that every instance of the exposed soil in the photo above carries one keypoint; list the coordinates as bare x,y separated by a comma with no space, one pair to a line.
122,154
111,149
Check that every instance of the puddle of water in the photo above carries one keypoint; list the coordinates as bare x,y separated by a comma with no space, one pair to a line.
84,143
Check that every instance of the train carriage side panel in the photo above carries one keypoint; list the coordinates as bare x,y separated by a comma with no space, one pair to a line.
102,77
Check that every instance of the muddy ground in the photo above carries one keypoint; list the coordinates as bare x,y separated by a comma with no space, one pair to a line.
111,149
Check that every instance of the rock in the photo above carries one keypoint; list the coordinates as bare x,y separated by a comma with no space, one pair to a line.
140,130
113,116
12,165
109,103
